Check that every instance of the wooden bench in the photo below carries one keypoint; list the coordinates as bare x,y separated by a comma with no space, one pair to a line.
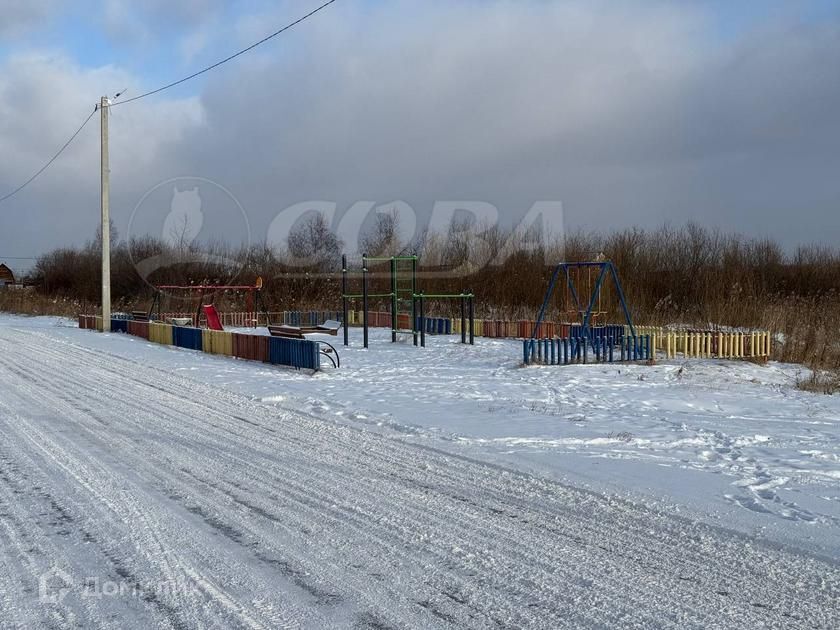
292,332
330,327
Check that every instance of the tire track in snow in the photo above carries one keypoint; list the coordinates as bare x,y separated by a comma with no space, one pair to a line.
535,560
430,489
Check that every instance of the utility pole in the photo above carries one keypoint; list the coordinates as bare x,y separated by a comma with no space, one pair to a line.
105,200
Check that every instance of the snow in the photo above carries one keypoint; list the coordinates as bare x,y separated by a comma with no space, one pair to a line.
197,449
730,442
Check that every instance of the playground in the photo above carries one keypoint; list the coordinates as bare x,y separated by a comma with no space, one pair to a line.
575,324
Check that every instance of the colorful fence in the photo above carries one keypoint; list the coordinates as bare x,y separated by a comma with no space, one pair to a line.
581,349
87,321
252,347
297,353
687,343
608,344
160,333
217,342
252,319
184,337
309,318
138,329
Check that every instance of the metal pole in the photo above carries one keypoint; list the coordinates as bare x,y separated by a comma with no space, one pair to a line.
364,300
393,300
344,298
414,317
105,198
413,274
422,323
543,307
413,299
472,320
621,299
463,319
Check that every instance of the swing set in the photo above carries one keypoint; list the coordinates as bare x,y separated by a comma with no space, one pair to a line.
579,281
207,295
584,310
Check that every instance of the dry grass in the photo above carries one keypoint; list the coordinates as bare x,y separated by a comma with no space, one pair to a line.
820,382
30,302
688,275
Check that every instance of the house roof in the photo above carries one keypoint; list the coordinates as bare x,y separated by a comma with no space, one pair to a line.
6,273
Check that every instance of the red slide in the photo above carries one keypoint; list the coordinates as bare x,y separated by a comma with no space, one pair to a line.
212,315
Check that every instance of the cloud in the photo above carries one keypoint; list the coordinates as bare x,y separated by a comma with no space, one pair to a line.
631,114
43,98
19,16
149,23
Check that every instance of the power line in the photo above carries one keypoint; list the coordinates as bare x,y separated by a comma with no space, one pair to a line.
161,89
52,159
226,59
18,258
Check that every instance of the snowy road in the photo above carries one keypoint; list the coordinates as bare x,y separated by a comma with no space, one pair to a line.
131,497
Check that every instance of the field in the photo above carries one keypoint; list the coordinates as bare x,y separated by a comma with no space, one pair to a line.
437,487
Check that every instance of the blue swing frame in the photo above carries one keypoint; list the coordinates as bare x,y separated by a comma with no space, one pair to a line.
604,268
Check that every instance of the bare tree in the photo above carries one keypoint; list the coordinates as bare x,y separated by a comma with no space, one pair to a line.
383,237
312,243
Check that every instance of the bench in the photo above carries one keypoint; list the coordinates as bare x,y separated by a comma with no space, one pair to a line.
296,332
329,327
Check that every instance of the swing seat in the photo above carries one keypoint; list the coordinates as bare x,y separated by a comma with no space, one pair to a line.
180,321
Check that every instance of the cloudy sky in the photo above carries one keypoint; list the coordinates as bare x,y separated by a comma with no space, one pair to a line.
630,113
